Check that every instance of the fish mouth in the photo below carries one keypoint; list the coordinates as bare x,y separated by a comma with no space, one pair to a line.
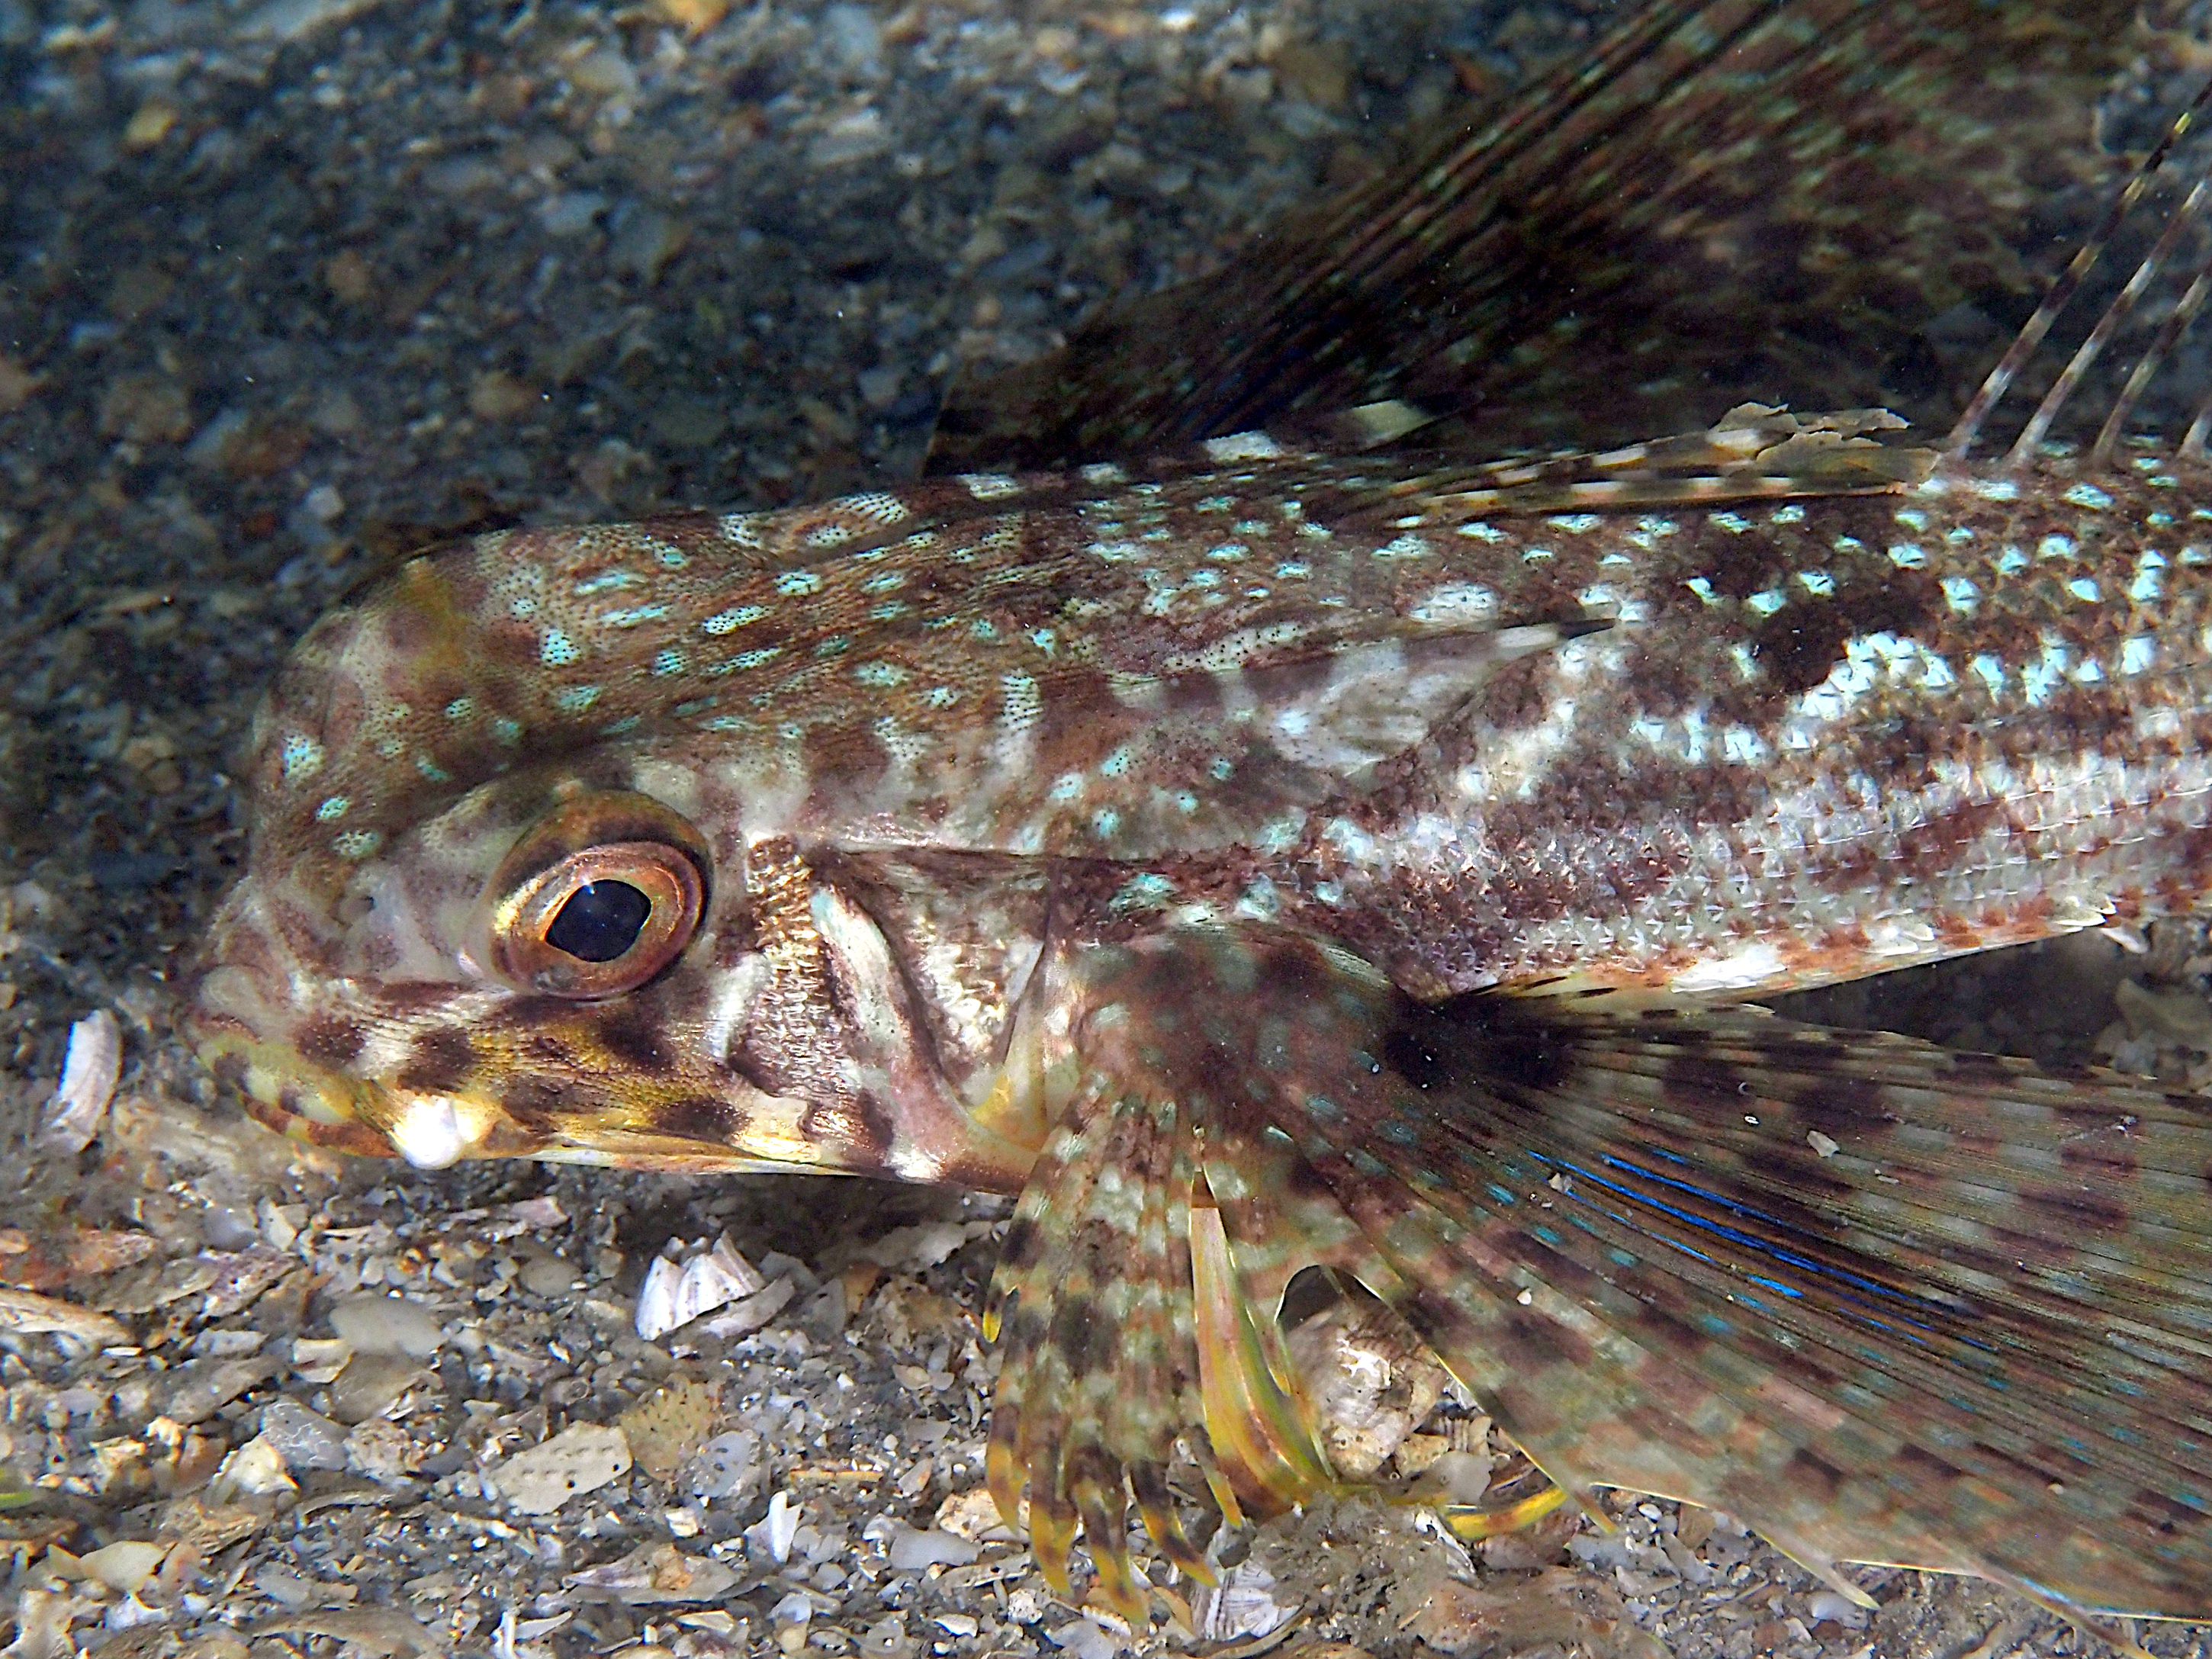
238,1019
235,996
241,997
322,1106
280,1091
365,1117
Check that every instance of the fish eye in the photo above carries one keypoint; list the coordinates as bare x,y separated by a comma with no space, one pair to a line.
600,921
598,897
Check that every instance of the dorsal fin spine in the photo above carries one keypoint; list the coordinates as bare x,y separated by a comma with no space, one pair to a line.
2123,304
2169,335
2000,378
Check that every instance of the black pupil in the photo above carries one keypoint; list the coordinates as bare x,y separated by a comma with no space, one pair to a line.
600,920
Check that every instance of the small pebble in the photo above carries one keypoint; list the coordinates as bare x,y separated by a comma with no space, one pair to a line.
645,240
387,1325
605,73
229,1228
370,1384
548,1275
911,1550
202,1387
305,1439
571,212
879,387
282,1585
854,38
1835,1608
850,138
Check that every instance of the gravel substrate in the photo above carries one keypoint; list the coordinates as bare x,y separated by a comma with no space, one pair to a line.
290,286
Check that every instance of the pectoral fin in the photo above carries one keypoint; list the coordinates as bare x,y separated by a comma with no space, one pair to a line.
1884,1301
1092,1301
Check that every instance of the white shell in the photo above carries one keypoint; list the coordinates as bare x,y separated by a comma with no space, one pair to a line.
94,1062
581,1458
674,1294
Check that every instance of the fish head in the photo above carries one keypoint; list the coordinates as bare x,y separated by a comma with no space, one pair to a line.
461,934
729,841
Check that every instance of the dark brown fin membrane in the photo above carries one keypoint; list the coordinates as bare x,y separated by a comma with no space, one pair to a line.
1882,1300
1728,201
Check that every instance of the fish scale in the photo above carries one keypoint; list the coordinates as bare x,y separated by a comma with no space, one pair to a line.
1345,845
1794,746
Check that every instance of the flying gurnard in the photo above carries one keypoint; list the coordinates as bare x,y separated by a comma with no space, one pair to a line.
1315,787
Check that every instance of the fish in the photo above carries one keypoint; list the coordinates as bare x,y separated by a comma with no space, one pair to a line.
1353,839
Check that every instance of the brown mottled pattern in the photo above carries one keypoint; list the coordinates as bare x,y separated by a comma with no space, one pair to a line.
1154,837
1812,738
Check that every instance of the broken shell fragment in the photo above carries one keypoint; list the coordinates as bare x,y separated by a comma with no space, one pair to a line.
581,1458
23,1311
124,1567
89,1073
676,1293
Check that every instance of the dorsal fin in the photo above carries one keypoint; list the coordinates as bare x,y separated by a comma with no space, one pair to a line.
2180,220
1732,201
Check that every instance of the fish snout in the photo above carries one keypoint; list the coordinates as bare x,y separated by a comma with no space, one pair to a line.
246,1025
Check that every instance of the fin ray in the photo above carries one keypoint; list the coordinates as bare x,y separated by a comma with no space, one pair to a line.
1883,1302
1585,266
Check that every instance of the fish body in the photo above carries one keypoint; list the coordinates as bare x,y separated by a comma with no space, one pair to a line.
956,767
1740,748
1745,747
1348,843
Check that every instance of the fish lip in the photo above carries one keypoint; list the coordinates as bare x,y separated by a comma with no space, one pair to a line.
279,1089
236,1002
227,1024
282,1090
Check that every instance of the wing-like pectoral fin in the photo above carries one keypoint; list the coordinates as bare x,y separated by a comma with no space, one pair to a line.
1125,1327
1884,1301
1092,1303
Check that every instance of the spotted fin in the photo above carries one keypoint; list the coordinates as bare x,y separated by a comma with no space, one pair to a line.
1885,1302
1724,200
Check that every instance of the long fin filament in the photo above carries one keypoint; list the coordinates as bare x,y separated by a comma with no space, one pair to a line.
2062,290
2085,355
2169,335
